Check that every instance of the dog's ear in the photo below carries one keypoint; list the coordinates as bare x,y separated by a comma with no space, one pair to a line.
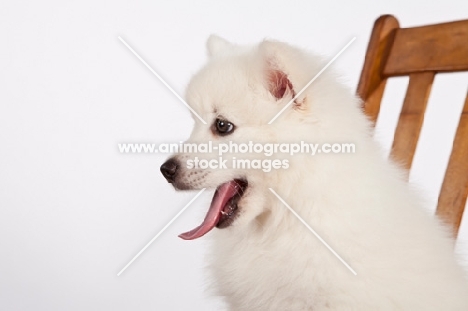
278,83
276,74
217,45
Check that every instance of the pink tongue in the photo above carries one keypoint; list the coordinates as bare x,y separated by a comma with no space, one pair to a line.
221,196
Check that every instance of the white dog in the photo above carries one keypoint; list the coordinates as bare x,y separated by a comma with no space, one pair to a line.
263,257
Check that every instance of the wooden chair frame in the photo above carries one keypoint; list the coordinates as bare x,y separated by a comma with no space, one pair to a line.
420,53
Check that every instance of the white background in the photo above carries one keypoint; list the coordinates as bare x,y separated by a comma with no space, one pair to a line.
73,211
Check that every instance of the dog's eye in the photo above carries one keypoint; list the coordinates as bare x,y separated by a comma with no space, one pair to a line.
223,127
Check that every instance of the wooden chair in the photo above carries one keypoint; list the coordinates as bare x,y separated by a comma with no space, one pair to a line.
420,53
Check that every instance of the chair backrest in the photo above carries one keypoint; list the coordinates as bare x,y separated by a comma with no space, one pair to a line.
420,53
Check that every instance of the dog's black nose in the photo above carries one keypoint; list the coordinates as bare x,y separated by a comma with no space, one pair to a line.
169,169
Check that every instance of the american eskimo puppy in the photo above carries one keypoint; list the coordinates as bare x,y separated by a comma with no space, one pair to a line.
263,257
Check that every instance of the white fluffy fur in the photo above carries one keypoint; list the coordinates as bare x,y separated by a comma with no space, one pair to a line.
359,203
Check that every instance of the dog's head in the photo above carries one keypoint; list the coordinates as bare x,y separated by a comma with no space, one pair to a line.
238,93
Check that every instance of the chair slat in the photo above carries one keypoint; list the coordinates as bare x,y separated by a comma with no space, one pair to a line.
411,118
454,192
440,48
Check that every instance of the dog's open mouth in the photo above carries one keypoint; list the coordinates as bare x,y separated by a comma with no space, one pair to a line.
223,209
